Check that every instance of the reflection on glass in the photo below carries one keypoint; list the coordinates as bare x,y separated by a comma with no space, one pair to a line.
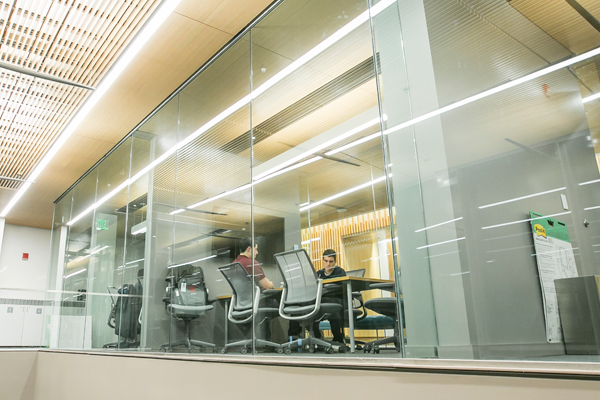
359,172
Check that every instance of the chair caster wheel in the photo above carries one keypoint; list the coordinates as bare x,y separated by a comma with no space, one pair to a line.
280,351
366,349
224,350
342,349
163,350
375,350
288,351
215,350
244,350
329,350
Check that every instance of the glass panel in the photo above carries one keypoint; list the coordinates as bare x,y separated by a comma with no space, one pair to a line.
108,277
59,235
319,173
494,155
210,208
80,256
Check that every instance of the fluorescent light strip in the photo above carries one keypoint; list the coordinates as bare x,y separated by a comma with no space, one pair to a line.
189,262
177,211
320,147
523,197
75,273
355,143
591,208
440,224
495,90
288,169
437,244
219,196
330,41
524,220
589,182
311,240
141,230
344,193
134,261
590,98
149,28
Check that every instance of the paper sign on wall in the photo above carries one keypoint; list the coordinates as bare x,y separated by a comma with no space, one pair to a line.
555,260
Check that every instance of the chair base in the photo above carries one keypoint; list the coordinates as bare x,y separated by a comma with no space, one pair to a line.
188,343
373,347
311,342
247,343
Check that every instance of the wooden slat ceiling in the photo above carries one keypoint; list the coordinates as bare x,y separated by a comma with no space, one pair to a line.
187,39
76,40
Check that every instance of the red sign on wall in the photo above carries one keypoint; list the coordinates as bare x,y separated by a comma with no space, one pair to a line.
25,256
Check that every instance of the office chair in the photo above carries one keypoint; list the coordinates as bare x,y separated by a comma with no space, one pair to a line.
242,309
387,306
301,297
187,301
124,315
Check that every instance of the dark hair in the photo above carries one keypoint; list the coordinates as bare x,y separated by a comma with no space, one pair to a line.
244,243
330,253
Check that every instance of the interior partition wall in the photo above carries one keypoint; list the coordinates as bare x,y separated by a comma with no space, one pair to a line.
449,147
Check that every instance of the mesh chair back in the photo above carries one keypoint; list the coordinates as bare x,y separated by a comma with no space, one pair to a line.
360,273
241,284
299,276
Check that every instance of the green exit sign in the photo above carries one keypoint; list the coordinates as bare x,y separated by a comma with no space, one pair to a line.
102,224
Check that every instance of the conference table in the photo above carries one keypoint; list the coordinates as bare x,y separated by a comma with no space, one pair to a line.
353,284
349,284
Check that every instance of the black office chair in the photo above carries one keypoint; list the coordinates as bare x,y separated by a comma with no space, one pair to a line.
387,306
124,315
242,308
301,297
186,301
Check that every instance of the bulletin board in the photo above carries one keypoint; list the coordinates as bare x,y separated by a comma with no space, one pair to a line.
555,260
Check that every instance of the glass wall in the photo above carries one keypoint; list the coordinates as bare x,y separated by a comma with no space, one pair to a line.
396,179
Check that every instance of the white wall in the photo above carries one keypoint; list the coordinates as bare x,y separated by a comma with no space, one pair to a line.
23,284
27,276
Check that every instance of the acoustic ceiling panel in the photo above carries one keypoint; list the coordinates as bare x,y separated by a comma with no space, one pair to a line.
73,40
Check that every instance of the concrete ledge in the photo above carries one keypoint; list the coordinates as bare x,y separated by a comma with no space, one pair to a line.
557,370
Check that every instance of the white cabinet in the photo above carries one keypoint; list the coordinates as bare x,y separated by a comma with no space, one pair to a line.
21,325
11,324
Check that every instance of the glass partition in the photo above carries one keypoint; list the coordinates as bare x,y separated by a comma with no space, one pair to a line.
397,179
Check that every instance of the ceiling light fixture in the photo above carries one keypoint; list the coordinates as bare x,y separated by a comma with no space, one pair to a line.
344,193
149,28
590,98
437,244
190,262
436,225
524,220
523,197
315,51
497,89
320,147
75,273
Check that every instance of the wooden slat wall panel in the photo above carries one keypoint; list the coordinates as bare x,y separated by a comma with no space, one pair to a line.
77,40
331,234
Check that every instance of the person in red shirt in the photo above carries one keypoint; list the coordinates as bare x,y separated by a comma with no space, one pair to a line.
245,258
